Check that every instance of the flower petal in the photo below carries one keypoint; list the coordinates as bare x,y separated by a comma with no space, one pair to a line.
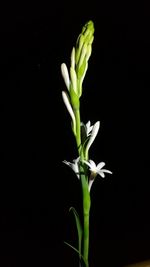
107,171
100,165
89,128
93,165
101,174
87,163
74,166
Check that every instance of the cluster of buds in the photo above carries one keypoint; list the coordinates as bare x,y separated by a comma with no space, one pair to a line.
74,77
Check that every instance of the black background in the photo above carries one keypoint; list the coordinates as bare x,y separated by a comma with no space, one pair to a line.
36,188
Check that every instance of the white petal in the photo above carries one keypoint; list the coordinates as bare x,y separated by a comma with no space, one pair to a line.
87,163
101,174
73,166
88,124
65,75
89,127
66,162
93,165
69,108
100,165
104,170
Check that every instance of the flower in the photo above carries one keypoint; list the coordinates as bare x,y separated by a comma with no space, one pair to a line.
95,170
86,130
93,133
74,166
89,128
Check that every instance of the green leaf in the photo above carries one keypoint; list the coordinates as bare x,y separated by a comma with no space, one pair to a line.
79,228
81,257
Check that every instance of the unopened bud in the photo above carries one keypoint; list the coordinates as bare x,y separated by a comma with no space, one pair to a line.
74,80
65,75
73,58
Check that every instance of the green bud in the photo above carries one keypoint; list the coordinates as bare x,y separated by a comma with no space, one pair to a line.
88,53
82,55
74,98
79,45
80,81
88,28
81,69
85,38
91,40
73,80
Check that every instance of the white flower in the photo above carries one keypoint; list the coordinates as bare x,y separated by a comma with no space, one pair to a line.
89,128
74,166
95,170
93,135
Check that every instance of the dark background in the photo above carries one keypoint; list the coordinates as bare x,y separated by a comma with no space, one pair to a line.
36,188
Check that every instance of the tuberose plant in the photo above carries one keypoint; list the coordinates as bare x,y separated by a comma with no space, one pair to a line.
85,168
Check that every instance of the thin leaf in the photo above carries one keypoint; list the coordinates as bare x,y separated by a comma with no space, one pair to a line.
79,228
77,251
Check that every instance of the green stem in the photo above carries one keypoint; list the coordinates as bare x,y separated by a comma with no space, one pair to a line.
86,238
86,213
85,191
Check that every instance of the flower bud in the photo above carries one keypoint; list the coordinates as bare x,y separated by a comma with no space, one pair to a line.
73,80
65,75
73,58
82,55
70,110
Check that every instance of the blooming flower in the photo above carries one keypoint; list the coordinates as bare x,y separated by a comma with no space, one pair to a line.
74,166
89,128
95,170
93,133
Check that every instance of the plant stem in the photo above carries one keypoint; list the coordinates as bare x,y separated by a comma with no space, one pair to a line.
86,213
85,191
